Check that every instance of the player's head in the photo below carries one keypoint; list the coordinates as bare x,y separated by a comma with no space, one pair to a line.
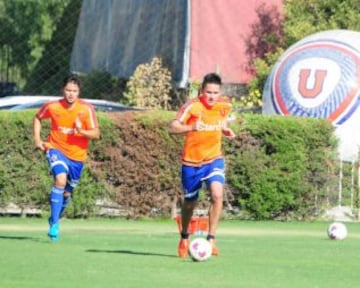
71,88
211,78
211,88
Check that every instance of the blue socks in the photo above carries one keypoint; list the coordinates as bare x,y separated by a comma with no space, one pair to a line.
184,235
66,201
210,237
56,203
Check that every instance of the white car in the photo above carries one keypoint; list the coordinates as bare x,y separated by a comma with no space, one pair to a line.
15,103
9,102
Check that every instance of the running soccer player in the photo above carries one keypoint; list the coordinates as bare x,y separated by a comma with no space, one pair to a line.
203,120
73,123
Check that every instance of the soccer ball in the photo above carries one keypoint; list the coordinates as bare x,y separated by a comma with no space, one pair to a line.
200,249
337,231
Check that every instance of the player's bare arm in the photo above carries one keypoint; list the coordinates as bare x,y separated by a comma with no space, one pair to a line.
90,133
228,133
176,127
93,133
36,133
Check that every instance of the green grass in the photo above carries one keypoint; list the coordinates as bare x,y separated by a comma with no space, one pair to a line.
120,253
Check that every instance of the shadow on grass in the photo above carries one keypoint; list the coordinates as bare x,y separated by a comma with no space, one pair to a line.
17,238
24,238
130,252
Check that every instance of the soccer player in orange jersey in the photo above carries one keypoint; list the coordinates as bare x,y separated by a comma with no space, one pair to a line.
73,123
203,120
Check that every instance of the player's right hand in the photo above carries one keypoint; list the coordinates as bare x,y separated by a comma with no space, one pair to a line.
40,145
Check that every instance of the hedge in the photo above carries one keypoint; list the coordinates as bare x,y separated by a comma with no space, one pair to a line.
277,168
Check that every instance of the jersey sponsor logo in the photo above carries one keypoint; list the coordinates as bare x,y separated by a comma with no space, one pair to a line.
213,127
66,130
318,79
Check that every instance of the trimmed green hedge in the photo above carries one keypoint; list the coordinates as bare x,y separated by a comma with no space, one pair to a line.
277,168
281,166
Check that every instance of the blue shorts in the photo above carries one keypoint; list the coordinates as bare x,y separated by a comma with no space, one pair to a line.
192,178
59,163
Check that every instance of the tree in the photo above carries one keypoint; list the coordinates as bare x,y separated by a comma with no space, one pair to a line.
54,62
266,34
303,18
262,46
26,26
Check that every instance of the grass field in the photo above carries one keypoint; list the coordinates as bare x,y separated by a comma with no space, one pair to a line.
121,253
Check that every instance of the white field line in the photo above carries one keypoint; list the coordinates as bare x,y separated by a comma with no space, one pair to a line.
164,229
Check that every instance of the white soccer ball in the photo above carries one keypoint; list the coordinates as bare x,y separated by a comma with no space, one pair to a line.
337,231
200,249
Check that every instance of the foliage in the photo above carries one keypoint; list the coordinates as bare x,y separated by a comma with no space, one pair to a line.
252,102
20,184
275,169
24,171
305,17
263,46
54,62
263,68
85,196
194,88
96,84
142,164
266,34
27,26
150,86
100,84
278,167
302,18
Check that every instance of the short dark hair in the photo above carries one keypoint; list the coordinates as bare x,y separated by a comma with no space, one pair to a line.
211,78
71,78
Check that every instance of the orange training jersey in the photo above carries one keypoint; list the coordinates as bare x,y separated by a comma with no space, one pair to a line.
202,147
62,134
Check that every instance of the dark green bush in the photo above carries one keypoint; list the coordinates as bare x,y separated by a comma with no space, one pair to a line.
280,165
277,168
25,176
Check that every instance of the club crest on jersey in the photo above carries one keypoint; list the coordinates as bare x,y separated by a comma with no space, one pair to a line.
53,158
318,80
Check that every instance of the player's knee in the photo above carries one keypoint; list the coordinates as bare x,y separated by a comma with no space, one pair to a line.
60,184
217,195
217,198
60,181
216,191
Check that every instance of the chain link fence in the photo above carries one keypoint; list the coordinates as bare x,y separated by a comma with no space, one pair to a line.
42,40
103,41
35,43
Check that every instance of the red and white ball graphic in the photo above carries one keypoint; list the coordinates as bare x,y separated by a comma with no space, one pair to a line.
319,77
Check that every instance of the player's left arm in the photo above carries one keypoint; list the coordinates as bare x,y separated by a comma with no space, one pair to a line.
228,132
93,133
88,126
225,129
